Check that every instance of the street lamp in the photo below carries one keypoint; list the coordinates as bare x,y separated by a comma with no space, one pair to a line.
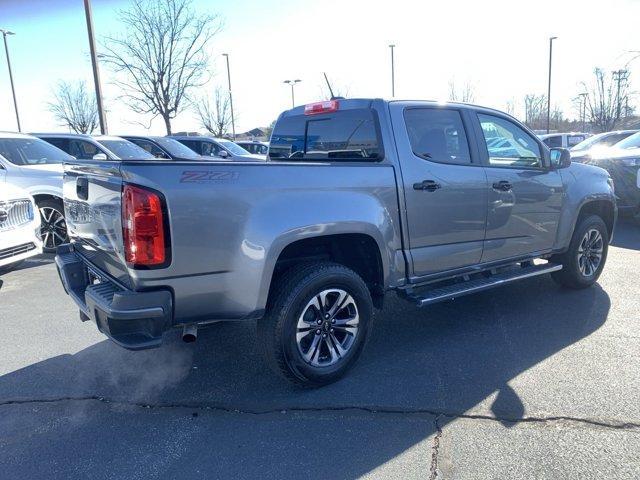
13,89
292,83
94,63
233,122
393,73
551,39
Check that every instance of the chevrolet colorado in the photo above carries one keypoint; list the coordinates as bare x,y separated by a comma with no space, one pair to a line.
358,198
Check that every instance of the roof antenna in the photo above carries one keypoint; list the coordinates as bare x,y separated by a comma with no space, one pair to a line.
328,85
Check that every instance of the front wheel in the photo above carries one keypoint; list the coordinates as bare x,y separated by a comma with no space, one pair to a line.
317,324
584,261
53,228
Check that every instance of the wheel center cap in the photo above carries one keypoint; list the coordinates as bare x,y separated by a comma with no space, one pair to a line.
326,326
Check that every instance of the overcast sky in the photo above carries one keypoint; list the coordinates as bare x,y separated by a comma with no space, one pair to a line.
500,47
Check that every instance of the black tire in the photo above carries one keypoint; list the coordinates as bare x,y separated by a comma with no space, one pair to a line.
571,275
290,300
46,206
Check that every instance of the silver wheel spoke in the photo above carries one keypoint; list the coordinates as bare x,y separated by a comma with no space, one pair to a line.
327,327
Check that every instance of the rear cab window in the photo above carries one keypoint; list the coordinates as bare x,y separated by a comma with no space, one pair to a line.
344,135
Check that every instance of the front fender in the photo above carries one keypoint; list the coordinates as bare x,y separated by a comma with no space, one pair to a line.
582,184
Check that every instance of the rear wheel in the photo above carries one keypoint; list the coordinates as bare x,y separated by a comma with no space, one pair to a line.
317,324
53,228
584,261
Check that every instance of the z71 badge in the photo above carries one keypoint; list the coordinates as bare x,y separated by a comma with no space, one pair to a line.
208,176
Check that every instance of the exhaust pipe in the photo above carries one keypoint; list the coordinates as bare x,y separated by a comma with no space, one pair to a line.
189,333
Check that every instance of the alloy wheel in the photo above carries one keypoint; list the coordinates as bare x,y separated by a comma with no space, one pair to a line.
53,228
590,252
327,327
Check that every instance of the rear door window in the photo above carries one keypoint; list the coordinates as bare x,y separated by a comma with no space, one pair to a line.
555,141
348,135
437,134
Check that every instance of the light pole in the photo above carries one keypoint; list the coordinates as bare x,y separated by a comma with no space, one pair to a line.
551,39
233,121
94,64
583,112
13,89
292,83
393,73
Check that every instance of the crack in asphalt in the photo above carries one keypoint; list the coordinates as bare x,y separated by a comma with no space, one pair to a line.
613,424
435,449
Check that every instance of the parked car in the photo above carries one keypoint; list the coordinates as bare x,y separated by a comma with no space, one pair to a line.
563,140
253,146
36,166
163,147
359,198
219,148
95,147
19,227
597,143
622,161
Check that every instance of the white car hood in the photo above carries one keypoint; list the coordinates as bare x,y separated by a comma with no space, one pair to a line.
11,192
617,153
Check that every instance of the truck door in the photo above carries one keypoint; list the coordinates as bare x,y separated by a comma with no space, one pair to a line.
525,195
445,187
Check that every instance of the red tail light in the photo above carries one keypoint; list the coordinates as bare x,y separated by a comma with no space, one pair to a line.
142,227
321,107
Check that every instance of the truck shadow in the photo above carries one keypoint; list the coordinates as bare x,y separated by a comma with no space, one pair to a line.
451,358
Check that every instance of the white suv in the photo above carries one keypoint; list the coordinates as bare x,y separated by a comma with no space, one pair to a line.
36,166
19,227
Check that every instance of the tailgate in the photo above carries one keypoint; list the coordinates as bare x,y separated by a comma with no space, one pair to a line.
92,198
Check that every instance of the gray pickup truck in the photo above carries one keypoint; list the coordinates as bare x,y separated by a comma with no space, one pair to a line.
358,198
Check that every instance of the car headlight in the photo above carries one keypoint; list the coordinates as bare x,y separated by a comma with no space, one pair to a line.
629,162
610,182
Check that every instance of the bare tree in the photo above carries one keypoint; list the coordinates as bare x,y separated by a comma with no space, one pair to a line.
74,107
465,94
215,116
162,55
604,99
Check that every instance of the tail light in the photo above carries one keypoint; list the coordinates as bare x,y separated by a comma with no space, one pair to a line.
321,107
143,227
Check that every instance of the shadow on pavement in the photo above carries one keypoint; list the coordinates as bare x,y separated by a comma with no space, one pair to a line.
447,358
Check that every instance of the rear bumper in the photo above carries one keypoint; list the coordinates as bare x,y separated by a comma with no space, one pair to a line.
133,320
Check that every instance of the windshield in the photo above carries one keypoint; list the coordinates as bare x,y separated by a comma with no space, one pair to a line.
31,151
233,148
630,142
126,150
177,149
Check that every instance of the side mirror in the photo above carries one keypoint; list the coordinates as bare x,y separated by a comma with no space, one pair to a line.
560,158
100,156
223,154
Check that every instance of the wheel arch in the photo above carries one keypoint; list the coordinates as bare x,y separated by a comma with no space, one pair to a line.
360,252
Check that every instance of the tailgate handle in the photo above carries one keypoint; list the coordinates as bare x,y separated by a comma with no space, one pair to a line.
82,188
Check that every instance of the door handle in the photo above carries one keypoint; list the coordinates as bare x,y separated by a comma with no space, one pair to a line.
428,185
502,186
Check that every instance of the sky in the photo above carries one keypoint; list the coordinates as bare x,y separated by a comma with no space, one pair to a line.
499,47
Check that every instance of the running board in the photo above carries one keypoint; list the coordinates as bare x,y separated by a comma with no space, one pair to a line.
425,297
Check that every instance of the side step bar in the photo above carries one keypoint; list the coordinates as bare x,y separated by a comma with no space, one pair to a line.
426,296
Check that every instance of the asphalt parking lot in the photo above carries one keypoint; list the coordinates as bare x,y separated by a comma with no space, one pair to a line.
526,381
